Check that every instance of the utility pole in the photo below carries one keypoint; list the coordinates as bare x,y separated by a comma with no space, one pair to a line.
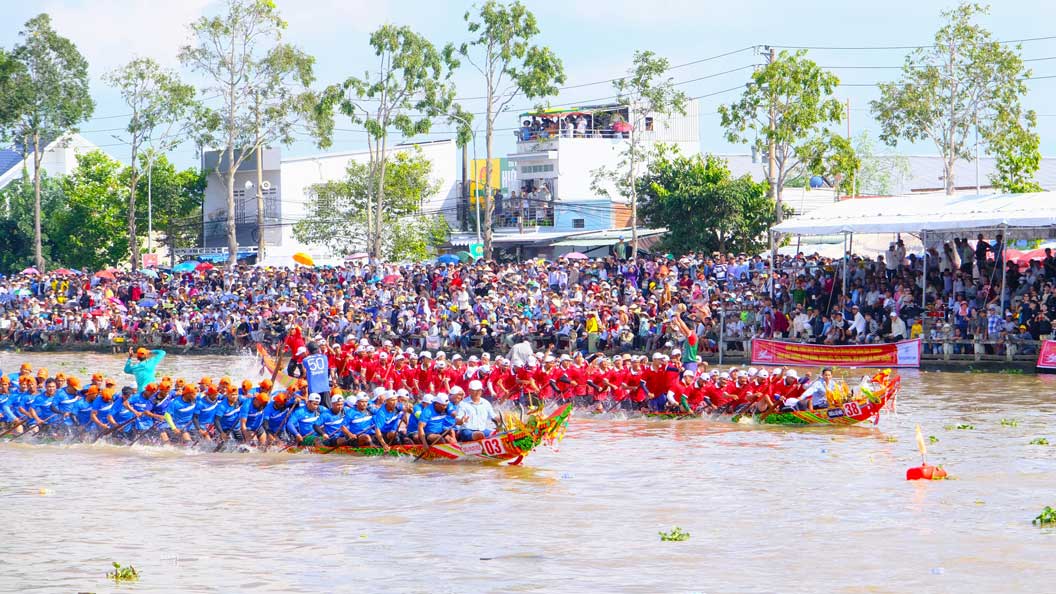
260,182
978,188
772,157
464,218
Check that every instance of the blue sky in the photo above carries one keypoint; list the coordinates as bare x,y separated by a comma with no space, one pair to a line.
595,39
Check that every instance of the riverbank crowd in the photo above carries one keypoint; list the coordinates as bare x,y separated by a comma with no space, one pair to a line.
606,305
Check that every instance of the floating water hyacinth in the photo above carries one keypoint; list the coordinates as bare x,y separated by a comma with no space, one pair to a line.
1047,517
123,574
676,535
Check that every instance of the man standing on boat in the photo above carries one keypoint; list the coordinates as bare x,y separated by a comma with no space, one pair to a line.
143,365
317,373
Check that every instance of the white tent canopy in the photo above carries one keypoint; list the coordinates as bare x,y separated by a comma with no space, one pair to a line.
930,212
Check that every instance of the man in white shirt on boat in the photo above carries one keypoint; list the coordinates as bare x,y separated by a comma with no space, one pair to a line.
479,417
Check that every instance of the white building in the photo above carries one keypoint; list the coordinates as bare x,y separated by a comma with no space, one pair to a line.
60,158
287,184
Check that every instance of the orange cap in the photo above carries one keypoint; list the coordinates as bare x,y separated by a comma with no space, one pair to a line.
212,390
206,380
265,384
247,385
150,388
97,377
166,379
110,382
26,367
260,399
189,390
180,382
92,391
142,353
279,399
164,386
225,381
42,372
73,383
5,380
60,376
108,394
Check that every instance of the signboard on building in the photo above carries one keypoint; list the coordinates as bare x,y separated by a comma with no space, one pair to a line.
150,260
502,177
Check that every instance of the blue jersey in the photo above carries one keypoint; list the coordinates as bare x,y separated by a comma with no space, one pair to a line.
82,413
387,421
359,421
120,413
142,404
8,412
206,410
302,421
413,418
254,416
182,412
42,405
332,423
435,422
317,368
275,418
102,408
228,415
64,402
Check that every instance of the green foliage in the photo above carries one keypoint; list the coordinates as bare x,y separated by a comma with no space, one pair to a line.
89,232
879,175
675,535
834,158
959,427
647,92
964,80
933,439
703,206
44,99
15,246
1047,517
1009,423
339,211
798,93
1039,441
123,573
500,48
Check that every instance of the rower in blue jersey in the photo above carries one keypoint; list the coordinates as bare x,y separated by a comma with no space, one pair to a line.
122,414
332,423
143,365
82,411
387,421
317,373
435,424
7,400
65,400
415,415
228,417
206,411
143,405
276,413
301,426
41,408
101,409
251,418
360,421
180,415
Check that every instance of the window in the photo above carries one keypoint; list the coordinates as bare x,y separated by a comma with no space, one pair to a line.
579,223
271,203
649,124
240,206
537,168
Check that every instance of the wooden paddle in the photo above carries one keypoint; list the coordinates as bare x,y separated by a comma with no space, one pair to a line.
13,427
44,422
429,446
112,429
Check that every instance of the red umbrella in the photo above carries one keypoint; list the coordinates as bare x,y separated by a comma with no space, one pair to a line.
204,267
62,271
391,279
105,274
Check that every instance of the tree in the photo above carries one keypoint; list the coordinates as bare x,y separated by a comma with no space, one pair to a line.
966,80
262,86
404,94
44,100
879,175
1017,148
20,197
702,206
834,158
178,197
159,104
501,50
787,103
646,93
340,213
89,230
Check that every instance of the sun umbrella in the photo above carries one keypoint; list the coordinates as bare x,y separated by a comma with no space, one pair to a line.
391,279
149,273
303,259
286,309
117,303
184,266
30,270
105,274
447,259
147,303
204,266
464,256
62,271
577,256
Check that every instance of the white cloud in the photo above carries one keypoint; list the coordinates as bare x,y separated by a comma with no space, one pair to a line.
109,33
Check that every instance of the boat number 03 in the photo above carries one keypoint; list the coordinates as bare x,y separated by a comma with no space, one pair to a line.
493,447
852,409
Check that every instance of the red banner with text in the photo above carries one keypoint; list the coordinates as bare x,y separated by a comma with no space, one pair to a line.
897,354
1047,356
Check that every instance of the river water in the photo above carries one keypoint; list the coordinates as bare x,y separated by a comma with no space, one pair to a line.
768,509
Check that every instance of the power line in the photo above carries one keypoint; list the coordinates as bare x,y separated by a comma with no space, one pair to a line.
897,47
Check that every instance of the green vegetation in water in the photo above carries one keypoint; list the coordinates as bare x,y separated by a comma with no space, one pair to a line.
933,439
123,574
1039,441
890,439
1009,423
1047,517
960,427
676,535
997,371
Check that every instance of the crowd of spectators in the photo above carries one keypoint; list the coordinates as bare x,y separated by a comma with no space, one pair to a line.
607,304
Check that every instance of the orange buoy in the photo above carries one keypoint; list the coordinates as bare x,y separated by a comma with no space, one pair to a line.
925,472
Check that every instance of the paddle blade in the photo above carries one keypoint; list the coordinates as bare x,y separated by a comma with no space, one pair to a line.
920,444
168,419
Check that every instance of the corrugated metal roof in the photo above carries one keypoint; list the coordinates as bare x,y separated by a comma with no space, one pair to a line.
8,160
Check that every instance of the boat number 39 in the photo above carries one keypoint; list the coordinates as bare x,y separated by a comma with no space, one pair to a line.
852,409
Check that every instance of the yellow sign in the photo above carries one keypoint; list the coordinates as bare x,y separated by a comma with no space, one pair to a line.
478,173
